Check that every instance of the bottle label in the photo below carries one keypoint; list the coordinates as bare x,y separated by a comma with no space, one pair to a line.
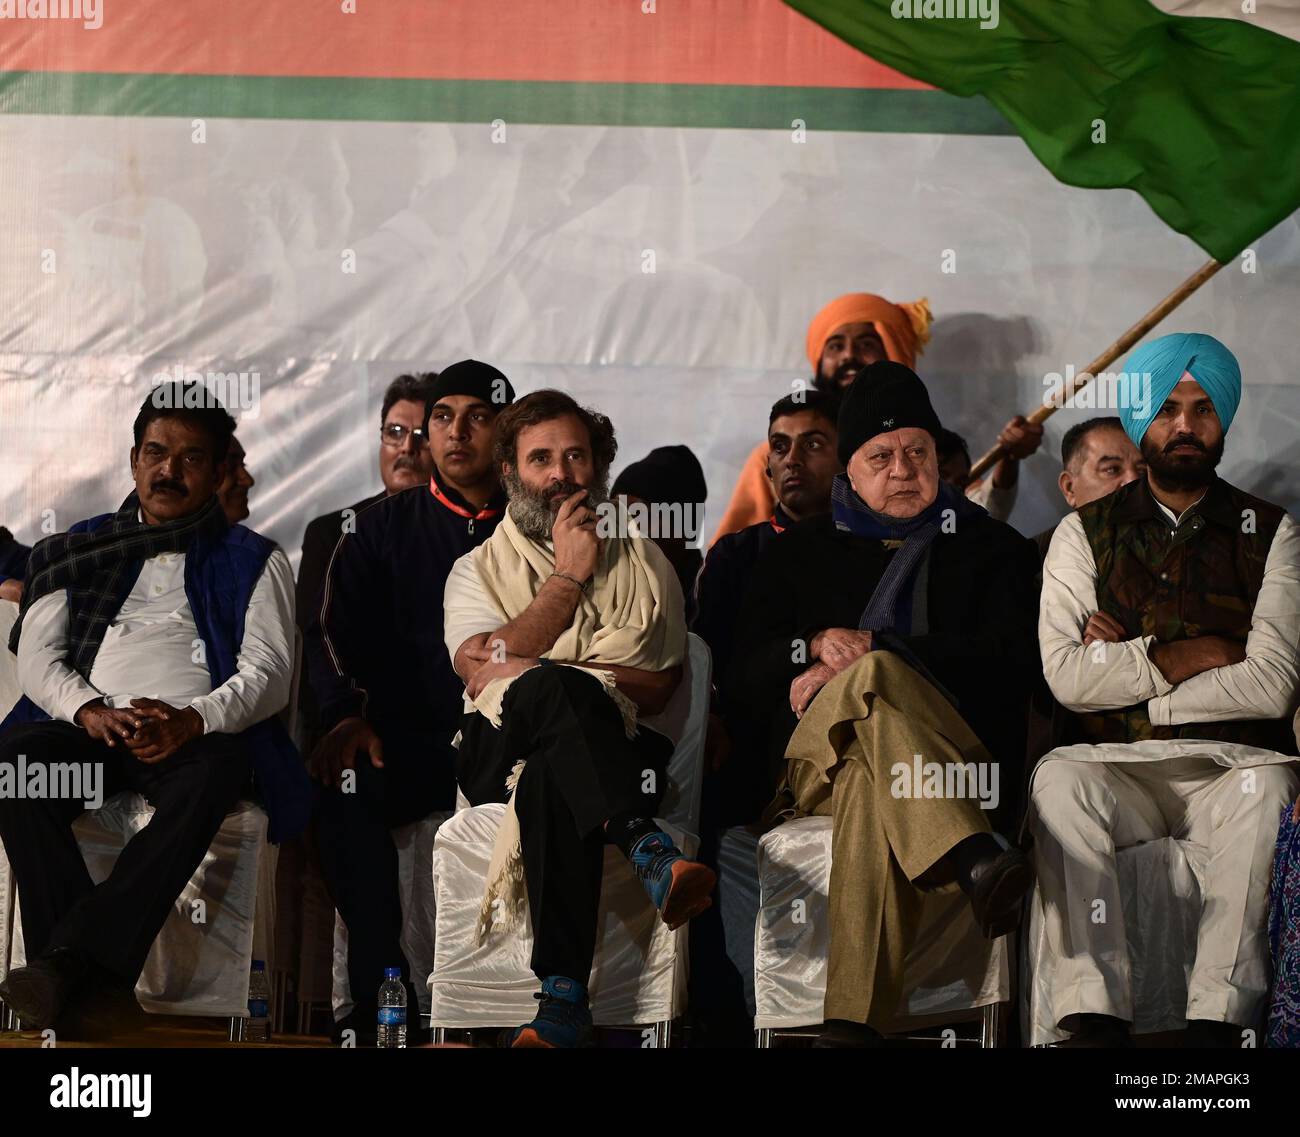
392,1016
257,1009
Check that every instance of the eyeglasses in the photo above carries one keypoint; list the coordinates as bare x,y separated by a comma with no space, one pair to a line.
394,435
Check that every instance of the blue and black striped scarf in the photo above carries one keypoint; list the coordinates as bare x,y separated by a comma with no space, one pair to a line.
890,608
93,566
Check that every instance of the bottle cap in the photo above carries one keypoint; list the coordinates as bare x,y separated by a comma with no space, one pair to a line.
392,973
258,965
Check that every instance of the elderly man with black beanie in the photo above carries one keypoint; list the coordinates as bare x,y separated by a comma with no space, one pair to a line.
902,623
387,695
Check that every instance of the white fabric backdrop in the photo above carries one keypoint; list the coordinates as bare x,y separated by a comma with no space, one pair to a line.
229,255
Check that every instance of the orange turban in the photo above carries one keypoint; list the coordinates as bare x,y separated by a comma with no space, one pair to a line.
904,329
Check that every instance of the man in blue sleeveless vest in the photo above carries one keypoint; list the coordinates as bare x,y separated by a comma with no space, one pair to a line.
155,647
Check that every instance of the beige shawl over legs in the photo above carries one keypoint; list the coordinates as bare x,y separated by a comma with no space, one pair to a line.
632,617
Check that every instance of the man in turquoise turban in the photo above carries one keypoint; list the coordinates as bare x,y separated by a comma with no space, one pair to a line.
1168,625
1152,373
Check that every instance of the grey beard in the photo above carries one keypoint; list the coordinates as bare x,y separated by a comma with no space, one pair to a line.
532,512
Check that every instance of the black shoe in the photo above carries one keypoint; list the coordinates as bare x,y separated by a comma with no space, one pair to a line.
1206,1034
39,992
840,1034
105,1009
363,1021
1098,1032
997,887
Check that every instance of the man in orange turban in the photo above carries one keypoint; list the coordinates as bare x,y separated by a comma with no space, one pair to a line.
850,332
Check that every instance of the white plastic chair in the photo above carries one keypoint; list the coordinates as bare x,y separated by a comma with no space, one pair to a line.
953,974
639,973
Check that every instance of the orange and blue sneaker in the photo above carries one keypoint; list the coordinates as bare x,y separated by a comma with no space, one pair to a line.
677,887
563,1019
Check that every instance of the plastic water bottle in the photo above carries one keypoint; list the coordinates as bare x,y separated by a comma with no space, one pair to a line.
259,1005
392,1010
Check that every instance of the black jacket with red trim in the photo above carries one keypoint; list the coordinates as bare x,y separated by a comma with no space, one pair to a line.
374,645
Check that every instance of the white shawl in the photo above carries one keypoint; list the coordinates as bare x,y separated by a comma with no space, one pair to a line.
632,616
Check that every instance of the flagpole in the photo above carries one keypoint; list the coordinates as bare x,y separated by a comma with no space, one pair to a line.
1085,376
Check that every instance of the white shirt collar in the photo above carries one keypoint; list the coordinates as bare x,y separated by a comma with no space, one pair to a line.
1169,513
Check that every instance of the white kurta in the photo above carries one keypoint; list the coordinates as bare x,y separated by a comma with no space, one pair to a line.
999,502
1088,802
150,650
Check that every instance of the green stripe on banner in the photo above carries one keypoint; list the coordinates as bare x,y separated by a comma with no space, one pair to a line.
471,100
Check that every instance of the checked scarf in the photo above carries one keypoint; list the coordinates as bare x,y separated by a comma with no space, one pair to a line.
94,566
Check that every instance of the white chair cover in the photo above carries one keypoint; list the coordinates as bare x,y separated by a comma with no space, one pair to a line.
737,898
1160,891
639,974
415,880
196,966
10,693
951,969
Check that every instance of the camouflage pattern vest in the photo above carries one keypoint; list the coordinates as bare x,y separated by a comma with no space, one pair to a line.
1200,579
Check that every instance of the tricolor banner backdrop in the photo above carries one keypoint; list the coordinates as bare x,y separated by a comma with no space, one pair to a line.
640,201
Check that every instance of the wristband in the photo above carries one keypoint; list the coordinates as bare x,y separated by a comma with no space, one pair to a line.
571,578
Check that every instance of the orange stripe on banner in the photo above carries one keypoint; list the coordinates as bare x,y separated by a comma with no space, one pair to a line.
735,42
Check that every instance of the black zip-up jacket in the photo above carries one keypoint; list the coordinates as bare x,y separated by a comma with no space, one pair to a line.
720,587
374,646
318,542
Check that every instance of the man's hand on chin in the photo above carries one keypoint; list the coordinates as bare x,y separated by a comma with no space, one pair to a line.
165,730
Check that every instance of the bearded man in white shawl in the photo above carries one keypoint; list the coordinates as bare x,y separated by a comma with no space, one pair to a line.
1169,622
565,639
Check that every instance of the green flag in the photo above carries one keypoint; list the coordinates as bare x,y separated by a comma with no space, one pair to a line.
1199,115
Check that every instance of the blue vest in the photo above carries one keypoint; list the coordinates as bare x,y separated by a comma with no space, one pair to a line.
219,580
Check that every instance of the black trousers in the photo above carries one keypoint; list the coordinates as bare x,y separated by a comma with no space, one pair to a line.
114,923
359,860
582,770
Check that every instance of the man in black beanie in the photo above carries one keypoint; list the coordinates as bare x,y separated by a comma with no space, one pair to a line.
903,623
388,700
671,476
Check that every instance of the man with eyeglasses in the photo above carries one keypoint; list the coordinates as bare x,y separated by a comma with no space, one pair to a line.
404,461
388,700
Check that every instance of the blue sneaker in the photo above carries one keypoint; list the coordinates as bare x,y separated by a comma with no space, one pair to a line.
563,1019
678,888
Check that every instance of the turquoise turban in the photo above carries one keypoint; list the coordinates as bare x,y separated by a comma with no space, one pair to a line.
1165,361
